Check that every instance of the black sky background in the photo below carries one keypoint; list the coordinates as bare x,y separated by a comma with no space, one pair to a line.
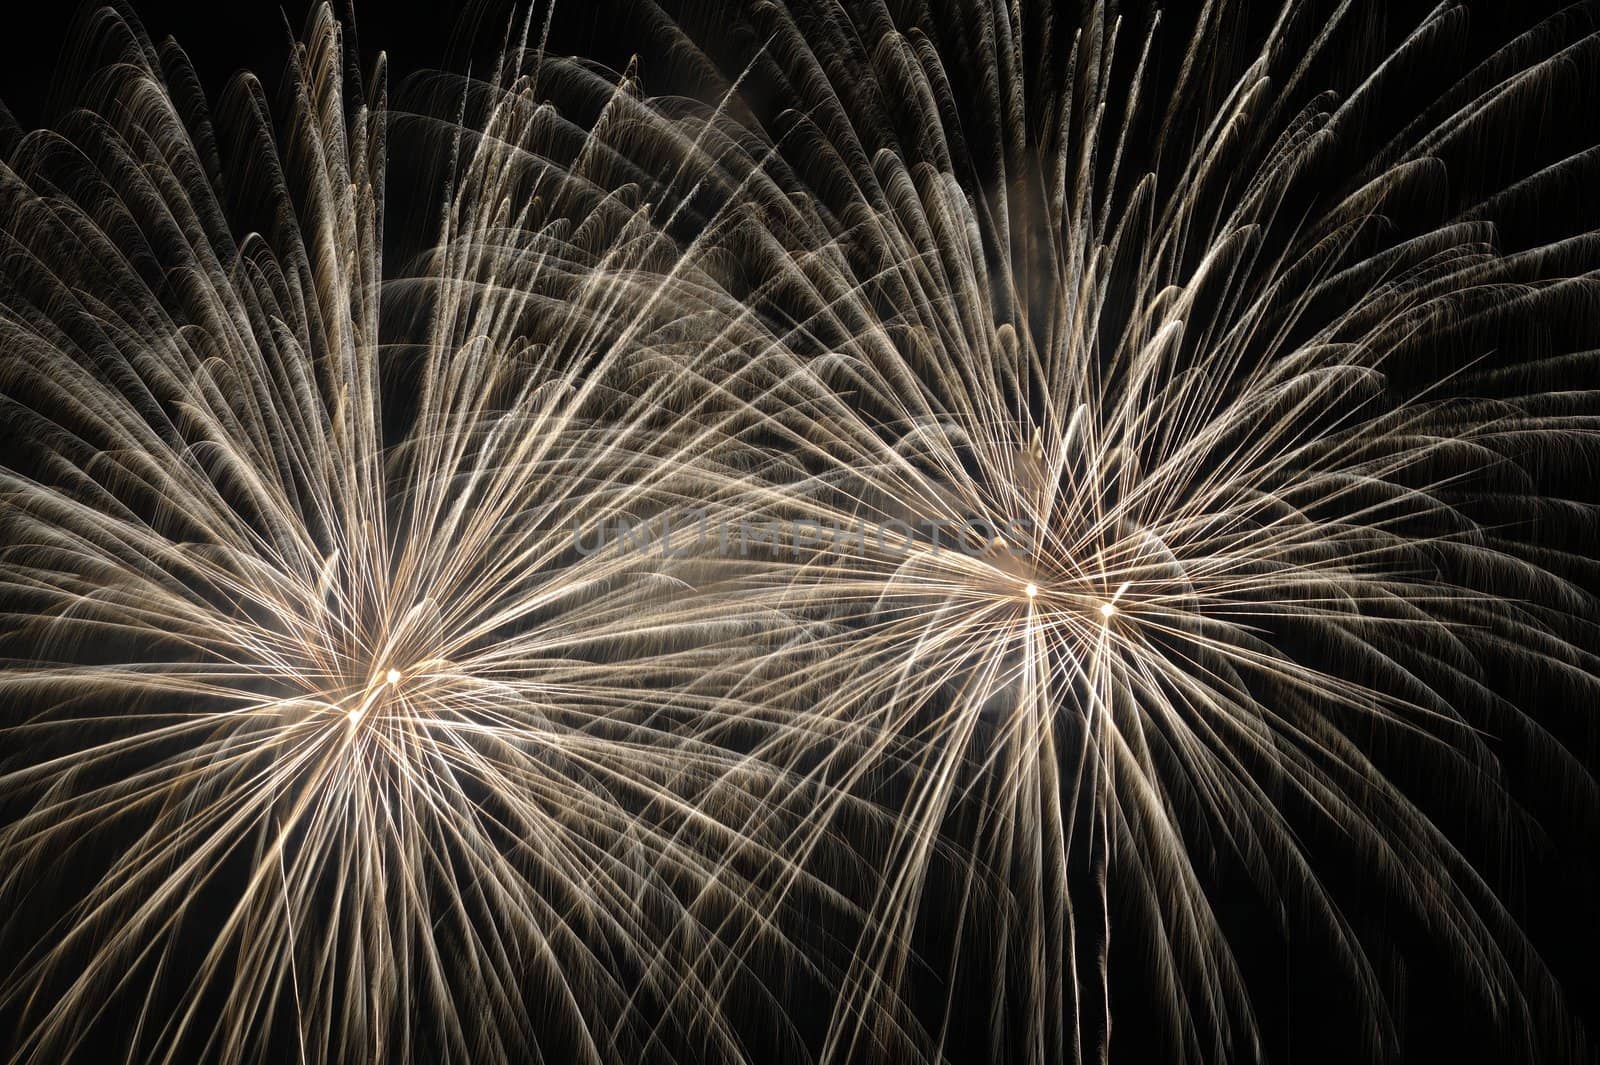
1552,887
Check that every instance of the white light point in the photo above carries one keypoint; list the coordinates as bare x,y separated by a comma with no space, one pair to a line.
392,677
1031,590
1107,610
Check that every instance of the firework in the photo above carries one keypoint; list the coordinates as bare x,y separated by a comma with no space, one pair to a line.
324,741
1215,427
1155,469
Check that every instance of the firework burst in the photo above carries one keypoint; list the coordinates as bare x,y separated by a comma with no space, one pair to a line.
1212,430
359,757
1164,459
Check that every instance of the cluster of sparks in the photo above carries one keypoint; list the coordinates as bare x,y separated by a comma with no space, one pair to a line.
327,739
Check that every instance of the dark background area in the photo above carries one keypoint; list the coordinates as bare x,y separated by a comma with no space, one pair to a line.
1305,1015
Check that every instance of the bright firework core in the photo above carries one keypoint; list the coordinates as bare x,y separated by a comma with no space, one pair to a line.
1107,609
391,677
1031,590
